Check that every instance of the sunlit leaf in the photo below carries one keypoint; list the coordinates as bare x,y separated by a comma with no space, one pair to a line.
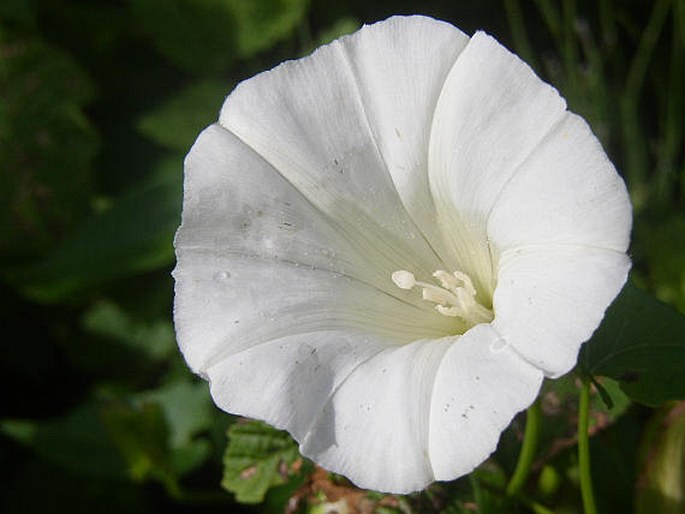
641,343
258,458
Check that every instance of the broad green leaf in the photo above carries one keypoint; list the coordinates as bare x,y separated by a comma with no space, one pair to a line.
106,319
177,122
258,458
641,343
613,453
134,235
46,142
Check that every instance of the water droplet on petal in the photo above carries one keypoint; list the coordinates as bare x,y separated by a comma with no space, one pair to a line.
499,345
221,276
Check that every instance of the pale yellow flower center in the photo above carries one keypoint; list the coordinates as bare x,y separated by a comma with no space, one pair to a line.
455,296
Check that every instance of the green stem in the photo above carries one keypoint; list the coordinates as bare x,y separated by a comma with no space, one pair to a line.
637,162
584,449
528,448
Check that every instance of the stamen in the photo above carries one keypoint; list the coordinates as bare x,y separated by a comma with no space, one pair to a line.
403,279
455,297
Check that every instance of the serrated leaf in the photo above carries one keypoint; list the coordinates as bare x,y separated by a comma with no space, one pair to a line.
641,343
258,458
134,235
177,122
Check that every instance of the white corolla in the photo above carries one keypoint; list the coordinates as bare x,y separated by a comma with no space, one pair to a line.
388,244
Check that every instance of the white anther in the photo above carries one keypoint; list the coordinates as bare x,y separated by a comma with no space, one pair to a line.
404,279
466,282
456,298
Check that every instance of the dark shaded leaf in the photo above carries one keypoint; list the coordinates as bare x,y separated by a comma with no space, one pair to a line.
46,142
641,343
134,235
177,122
78,441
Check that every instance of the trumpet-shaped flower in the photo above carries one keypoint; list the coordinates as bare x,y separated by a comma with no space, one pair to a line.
388,244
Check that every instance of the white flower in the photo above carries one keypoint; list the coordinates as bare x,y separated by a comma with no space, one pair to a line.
387,245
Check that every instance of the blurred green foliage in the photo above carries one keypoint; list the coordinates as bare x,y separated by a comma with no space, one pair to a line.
100,101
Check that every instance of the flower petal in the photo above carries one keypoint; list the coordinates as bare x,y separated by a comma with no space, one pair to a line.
400,68
358,405
549,300
257,261
567,191
480,385
492,113
307,119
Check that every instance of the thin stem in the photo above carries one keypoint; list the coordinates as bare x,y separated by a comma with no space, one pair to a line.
633,140
584,449
528,448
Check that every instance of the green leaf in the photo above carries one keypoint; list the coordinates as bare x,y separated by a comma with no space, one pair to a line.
187,407
134,235
177,122
141,434
258,458
641,343
340,28
106,319
262,24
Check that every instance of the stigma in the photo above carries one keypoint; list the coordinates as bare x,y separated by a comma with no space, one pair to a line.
454,297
